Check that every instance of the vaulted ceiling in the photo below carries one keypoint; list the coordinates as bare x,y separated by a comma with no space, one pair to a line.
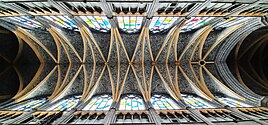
118,47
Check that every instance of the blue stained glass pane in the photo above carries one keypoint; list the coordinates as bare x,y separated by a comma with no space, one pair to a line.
157,23
196,102
65,104
135,104
102,102
128,104
131,102
26,21
106,22
99,23
23,21
163,102
232,102
67,22
30,105
72,21
92,20
130,24
194,23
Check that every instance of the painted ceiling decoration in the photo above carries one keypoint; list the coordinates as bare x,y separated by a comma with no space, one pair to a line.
109,62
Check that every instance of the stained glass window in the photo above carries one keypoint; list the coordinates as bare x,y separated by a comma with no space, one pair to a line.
63,21
196,102
30,105
130,24
103,102
27,21
163,102
232,102
232,21
194,23
68,104
100,23
131,102
159,24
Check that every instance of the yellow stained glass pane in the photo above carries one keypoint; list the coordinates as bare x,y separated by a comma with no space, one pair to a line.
60,21
98,18
57,109
167,20
91,103
230,19
88,21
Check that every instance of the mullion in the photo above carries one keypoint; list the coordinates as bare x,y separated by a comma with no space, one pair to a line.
19,20
157,103
98,106
162,103
135,25
162,23
122,19
154,100
55,21
85,18
89,108
172,105
70,23
59,20
104,23
163,100
64,20
156,22
96,23
105,103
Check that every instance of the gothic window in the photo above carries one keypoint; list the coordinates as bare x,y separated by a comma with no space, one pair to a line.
232,21
130,24
232,102
194,23
66,104
131,102
159,24
27,21
163,102
102,102
30,105
100,23
63,21
196,102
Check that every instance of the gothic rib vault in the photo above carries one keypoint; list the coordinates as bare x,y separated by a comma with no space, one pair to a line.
85,63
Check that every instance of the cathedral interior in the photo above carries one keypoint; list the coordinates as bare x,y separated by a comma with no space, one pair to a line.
134,62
